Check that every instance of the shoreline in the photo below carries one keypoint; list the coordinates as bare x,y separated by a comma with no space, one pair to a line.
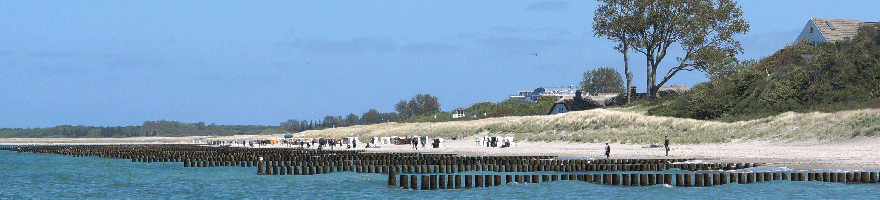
855,153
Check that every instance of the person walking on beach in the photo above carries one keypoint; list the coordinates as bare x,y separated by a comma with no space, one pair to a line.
607,151
415,143
666,144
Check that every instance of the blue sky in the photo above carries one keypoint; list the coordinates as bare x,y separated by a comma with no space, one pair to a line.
118,63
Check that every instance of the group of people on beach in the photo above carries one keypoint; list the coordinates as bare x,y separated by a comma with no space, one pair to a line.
665,145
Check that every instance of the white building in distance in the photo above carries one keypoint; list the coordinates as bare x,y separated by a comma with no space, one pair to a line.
533,96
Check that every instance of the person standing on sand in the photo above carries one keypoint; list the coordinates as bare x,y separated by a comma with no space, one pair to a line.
666,144
607,151
416,143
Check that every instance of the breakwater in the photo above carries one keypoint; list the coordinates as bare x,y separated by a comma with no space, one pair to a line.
449,171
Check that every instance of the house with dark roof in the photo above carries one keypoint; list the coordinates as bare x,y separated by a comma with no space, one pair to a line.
572,103
820,30
600,100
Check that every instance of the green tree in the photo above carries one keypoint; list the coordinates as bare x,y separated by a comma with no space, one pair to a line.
704,29
371,117
419,105
602,80
330,122
403,110
352,120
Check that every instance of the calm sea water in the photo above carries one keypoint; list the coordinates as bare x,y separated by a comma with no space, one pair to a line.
51,176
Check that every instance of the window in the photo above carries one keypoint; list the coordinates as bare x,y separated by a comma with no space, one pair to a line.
811,29
560,110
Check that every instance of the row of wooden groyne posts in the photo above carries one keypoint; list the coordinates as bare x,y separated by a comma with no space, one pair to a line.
433,182
438,171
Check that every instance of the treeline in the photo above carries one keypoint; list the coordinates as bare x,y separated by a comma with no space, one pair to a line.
805,78
482,110
424,108
160,128
421,108
372,116
419,105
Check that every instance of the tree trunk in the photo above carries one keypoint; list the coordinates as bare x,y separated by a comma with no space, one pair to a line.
650,81
629,92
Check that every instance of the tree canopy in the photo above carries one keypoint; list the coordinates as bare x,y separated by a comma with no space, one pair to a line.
703,28
419,105
602,80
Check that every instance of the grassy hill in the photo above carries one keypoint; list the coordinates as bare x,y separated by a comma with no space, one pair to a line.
631,125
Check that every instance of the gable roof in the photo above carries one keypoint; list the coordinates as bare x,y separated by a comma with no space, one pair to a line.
836,29
585,103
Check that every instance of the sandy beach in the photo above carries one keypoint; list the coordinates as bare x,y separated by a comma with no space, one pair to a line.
855,153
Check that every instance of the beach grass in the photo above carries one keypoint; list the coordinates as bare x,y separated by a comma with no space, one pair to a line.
632,126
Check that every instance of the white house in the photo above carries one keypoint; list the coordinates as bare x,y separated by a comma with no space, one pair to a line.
458,113
560,106
820,30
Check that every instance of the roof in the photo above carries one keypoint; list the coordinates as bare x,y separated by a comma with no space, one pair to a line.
837,29
586,102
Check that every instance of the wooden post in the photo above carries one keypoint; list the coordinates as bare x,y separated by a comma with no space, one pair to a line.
392,178
679,180
615,179
687,180
667,179
606,178
404,181
698,180
873,176
414,182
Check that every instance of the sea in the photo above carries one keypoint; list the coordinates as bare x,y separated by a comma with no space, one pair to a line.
52,176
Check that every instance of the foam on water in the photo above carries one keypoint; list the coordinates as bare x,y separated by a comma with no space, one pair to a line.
693,162
764,169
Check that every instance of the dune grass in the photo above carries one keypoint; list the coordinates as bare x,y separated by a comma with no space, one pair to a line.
631,125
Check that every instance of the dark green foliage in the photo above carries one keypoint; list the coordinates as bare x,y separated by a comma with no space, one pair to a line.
602,80
798,78
510,108
419,105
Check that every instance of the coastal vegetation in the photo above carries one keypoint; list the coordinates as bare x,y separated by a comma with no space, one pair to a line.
632,125
834,76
